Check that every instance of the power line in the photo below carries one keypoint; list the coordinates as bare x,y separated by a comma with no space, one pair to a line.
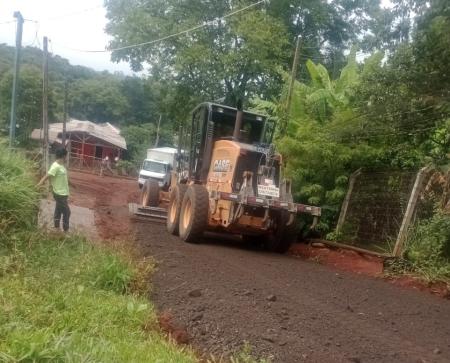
168,36
36,36
61,16
13,21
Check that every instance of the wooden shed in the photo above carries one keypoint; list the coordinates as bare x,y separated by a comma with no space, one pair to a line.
88,143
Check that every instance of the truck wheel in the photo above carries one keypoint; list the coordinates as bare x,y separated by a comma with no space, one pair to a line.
173,212
283,236
150,193
194,213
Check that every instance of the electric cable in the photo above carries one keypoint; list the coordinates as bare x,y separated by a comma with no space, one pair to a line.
168,36
61,16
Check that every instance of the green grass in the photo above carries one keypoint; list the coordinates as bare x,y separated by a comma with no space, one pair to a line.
64,300
18,196
427,251
428,248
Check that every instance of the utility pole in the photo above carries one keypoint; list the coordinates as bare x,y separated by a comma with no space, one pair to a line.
12,124
66,87
45,104
291,85
157,131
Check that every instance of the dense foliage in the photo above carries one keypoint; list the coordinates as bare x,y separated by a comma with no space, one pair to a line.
236,56
390,111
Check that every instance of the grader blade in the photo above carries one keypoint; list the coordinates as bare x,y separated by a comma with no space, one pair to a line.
156,213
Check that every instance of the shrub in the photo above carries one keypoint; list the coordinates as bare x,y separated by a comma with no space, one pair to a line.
18,194
428,247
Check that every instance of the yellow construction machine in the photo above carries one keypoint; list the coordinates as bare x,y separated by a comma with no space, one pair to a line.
228,178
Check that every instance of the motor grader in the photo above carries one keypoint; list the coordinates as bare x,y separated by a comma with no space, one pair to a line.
229,179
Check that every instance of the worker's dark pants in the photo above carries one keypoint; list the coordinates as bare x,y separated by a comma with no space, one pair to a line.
61,208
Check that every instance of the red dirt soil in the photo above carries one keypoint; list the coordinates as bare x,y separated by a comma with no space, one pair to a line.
364,264
109,197
340,259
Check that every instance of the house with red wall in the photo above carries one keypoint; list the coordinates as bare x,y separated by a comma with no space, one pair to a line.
87,142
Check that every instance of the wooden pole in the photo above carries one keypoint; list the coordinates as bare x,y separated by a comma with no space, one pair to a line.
346,201
69,151
404,228
82,150
157,131
354,248
293,76
45,104
295,63
12,123
65,114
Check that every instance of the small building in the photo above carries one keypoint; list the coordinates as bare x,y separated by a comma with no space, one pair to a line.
88,143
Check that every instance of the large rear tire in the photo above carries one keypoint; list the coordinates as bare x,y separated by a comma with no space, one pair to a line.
150,193
194,213
174,209
283,236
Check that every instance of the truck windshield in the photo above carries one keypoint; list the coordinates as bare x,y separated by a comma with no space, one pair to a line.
154,167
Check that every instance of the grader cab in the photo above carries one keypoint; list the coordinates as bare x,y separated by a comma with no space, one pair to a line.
229,179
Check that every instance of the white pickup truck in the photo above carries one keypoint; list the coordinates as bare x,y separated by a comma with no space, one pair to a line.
158,165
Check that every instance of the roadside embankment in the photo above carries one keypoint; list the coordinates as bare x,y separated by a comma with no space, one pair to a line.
63,298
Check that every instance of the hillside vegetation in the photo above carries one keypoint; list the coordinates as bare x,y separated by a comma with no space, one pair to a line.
125,101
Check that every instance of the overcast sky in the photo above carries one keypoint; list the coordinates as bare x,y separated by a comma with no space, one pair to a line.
69,24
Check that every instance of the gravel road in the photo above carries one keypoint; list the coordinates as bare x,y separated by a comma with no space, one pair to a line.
288,309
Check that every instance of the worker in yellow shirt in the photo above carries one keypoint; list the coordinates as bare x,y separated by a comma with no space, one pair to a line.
60,186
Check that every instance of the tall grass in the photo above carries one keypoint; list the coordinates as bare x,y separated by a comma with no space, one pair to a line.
428,247
18,194
64,300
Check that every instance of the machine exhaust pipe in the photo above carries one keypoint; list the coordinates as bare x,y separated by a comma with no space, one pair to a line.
238,123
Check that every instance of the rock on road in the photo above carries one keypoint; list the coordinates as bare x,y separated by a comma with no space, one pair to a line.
287,309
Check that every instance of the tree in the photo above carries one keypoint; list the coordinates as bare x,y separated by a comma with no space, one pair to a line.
99,100
29,105
231,58
318,154
140,138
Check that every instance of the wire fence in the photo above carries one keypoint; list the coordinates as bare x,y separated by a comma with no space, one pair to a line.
99,166
381,207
